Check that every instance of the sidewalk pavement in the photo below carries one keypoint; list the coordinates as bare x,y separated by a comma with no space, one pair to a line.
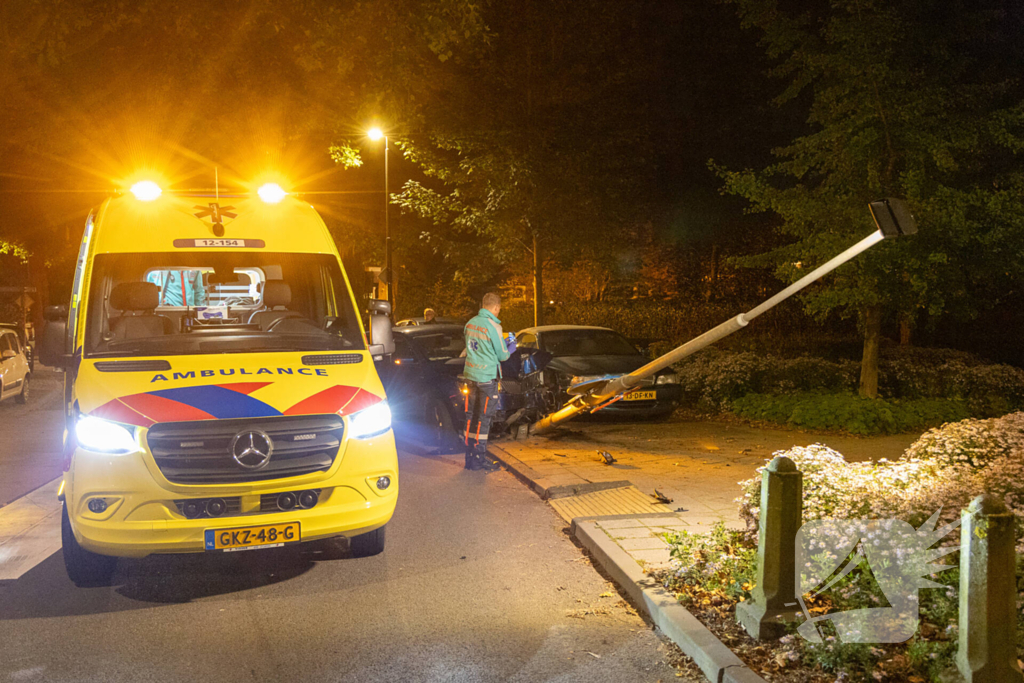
695,463
641,537
702,487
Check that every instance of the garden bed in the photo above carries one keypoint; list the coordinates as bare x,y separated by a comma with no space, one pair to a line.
943,470
717,572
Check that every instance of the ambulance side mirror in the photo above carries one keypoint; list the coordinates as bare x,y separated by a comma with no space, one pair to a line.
382,340
52,340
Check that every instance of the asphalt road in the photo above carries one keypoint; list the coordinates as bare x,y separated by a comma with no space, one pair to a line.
479,582
31,437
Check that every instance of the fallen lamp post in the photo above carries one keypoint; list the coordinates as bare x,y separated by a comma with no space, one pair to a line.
892,218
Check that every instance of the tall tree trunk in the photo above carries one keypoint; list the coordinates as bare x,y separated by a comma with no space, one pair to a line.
709,292
869,361
905,329
538,283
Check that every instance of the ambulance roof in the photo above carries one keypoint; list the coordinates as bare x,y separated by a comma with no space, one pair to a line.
176,222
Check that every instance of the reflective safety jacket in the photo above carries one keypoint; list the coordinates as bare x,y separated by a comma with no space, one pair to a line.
485,347
179,287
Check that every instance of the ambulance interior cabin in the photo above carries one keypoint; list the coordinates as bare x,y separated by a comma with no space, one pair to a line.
218,302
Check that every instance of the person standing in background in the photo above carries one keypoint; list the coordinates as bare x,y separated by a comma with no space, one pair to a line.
429,316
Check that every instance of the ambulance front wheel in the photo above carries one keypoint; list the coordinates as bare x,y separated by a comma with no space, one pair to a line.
366,545
84,568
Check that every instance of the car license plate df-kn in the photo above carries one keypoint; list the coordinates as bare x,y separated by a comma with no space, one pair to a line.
253,537
640,396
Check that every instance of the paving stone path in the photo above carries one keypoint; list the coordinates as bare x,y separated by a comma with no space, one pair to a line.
695,463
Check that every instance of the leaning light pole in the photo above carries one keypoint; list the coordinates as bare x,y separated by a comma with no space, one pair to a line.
892,218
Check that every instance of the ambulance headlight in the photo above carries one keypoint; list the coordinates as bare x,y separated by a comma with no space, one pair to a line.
146,191
271,193
371,421
104,436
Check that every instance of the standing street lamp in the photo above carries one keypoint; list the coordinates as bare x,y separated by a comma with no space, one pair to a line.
376,134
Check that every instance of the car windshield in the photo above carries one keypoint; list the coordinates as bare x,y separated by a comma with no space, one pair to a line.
180,303
441,345
586,343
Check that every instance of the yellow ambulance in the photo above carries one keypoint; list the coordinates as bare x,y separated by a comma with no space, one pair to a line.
220,388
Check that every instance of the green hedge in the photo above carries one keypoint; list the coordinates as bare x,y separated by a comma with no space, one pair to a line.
850,413
714,379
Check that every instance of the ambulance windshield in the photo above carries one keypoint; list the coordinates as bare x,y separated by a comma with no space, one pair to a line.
218,302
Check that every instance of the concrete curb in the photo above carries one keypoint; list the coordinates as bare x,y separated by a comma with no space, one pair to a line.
543,487
717,661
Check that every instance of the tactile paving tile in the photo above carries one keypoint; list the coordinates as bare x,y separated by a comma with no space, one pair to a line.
628,500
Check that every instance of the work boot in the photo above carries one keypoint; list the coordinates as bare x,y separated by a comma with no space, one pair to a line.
472,461
486,463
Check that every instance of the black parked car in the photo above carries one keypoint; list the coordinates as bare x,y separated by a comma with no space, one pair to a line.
580,353
421,381
428,401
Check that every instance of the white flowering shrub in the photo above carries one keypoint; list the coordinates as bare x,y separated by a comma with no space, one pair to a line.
946,468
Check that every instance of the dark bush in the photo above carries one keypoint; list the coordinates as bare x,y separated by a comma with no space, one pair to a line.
714,378
850,413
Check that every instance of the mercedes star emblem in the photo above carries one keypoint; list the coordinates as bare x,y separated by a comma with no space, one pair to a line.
252,449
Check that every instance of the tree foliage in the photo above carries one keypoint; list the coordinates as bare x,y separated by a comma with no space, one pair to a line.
543,145
905,99
94,91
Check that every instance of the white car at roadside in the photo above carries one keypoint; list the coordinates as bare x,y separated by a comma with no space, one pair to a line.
14,369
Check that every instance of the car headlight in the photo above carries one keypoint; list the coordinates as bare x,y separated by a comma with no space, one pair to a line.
370,421
671,378
104,436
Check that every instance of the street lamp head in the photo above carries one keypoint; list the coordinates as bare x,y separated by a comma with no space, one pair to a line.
375,133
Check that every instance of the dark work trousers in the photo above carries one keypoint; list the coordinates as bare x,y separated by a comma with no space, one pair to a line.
481,404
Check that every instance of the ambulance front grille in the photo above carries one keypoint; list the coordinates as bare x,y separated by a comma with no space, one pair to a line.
200,452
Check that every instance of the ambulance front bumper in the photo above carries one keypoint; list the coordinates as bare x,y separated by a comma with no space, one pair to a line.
142,512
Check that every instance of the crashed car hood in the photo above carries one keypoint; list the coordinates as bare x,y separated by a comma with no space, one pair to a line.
596,365
139,391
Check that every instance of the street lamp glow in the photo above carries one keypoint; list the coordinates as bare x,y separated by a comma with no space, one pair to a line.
146,191
271,193
375,133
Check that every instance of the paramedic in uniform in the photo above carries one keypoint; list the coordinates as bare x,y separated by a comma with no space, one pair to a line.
485,350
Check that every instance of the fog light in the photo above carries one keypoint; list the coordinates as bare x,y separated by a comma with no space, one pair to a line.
216,507
286,501
97,505
193,509
383,482
308,499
